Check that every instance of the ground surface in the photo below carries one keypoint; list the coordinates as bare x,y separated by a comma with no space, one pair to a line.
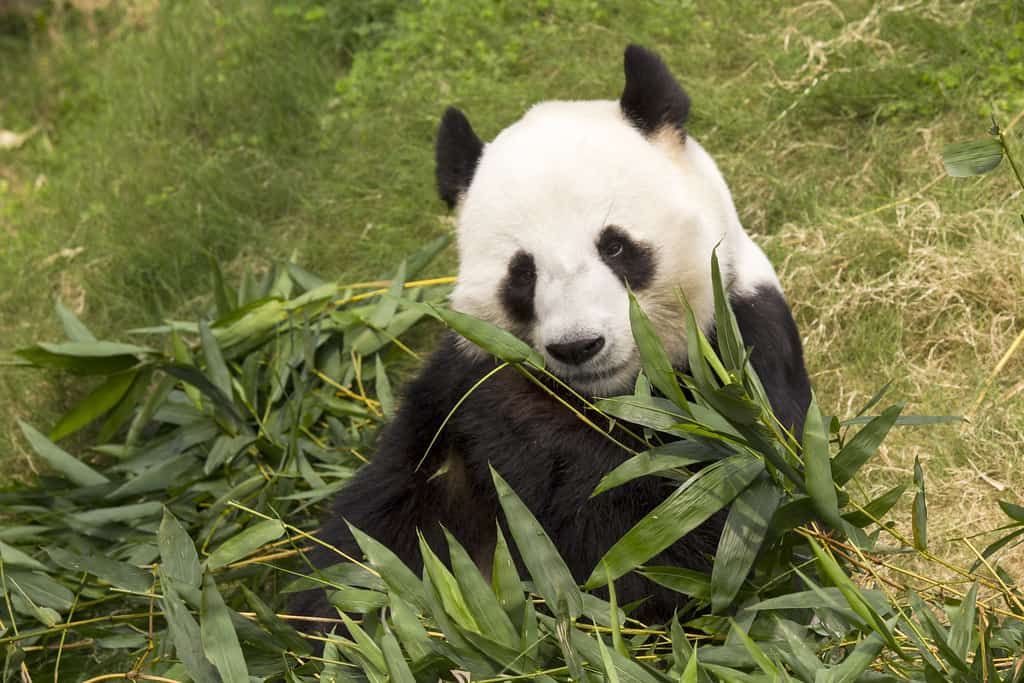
159,136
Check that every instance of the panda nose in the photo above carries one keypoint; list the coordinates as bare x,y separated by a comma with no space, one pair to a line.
576,352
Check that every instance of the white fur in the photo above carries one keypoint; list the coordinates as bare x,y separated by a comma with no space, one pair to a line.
550,183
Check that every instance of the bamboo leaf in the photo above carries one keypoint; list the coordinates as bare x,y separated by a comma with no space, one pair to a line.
73,327
491,338
863,445
488,614
701,496
216,368
71,467
671,456
919,516
690,582
185,634
178,556
858,661
117,574
760,658
851,593
656,363
398,577
383,387
817,468
744,532
964,159
962,625
246,543
550,575
877,508
220,642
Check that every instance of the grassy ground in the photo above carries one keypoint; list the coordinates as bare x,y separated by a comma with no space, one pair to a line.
251,130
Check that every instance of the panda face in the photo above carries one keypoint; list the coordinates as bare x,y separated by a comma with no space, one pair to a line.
574,203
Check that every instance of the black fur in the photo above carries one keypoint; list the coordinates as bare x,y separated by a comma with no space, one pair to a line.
457,152
518,286
652,98
632,261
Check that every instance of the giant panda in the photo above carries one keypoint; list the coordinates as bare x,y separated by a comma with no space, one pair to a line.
555,217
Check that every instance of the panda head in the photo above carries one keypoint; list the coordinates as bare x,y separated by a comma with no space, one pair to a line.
576,201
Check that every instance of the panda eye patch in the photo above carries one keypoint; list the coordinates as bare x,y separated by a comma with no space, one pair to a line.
517,287
631,260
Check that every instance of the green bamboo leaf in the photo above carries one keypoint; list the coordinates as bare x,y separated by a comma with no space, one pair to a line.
223,297
551,577
71,467
193,376
611,673
647,411
398,577
363,645
185,634
744,532
481,601
760,658
246,543
282,633
965,159
118,574
1014,512
821,597
452,599
701,496
656,363
357,600
919,516
383,386
877,508
690,674
491,338
508,588
962,625
858,661
127,406
817,467
24,603
73,327
397,667
727,331
731,400
61,357
220,642
12,557
851,593
800,656
863,445
407,625
691,582
178,557
216,368
137,514
386,308
671,456
939,641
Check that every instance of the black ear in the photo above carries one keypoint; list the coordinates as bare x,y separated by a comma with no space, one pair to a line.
652,98
456,154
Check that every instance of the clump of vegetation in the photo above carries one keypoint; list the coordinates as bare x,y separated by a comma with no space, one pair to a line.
166,552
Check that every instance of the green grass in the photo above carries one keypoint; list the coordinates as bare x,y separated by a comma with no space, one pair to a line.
251,130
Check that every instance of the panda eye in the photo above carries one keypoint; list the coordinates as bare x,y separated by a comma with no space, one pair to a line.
612,248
